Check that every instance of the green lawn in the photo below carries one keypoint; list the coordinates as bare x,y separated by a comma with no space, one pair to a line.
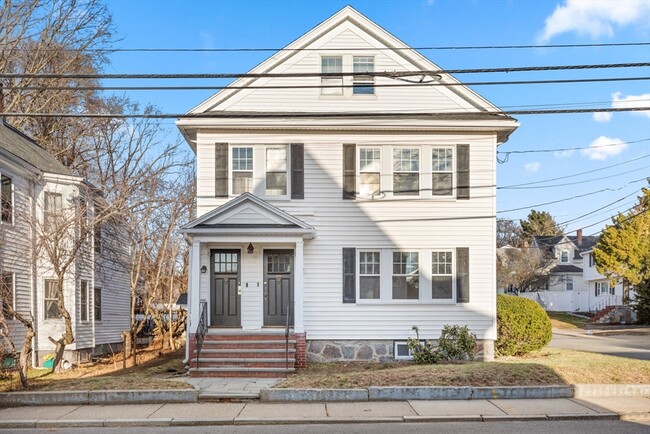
563,320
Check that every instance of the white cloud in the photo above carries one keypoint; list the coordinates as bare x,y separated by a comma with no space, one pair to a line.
604,147
532,167
619,101
563,154
594,18
602,116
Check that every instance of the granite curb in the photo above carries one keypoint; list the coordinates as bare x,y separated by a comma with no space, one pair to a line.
100,397
164,422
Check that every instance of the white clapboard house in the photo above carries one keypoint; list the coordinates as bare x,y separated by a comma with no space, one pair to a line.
330,206
35,186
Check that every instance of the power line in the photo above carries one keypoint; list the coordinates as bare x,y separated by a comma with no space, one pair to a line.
263,49
600,208
343,86
584,181
578,197
322,115
581,173
570,149
326,74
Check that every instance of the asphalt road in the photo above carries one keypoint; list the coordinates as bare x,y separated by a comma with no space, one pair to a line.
635,346
528,427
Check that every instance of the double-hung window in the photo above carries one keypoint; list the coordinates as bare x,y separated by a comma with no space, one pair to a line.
7,293
406,171
276,171
564,256
242,170
53,208
50,300
369,171
369,275
6,200
98,304
568,283
442,273
83,300
363,84
331,85
406,276
442,160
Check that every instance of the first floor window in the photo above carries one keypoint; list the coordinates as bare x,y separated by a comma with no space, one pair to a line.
406,275
442,171
50,300
406,171
331,85
83,300
276,171
369,275
7,293
369,171
242,170
441,275
569,283
6,199
98,304
602,288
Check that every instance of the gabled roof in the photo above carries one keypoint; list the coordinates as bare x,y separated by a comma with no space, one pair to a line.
349,15
548,243
26,149
248,213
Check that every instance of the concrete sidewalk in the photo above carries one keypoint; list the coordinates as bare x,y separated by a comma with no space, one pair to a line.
637,408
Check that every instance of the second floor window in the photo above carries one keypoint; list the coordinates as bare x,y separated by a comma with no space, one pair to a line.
369,171
6,199
406,171
51,306
53,208
363,84
276,171
591,260
331,85
242,170
442,171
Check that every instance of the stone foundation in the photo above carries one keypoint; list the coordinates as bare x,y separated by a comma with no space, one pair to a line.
373,351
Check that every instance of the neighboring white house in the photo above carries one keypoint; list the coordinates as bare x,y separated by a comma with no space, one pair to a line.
340,208
36,185
573,283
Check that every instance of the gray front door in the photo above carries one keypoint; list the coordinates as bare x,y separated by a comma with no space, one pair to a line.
225,298
278,287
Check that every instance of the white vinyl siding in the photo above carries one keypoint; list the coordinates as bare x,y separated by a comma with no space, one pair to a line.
331,85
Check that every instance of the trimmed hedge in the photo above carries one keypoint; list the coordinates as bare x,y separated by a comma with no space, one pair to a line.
522,326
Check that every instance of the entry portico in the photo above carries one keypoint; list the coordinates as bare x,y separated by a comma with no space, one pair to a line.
246,264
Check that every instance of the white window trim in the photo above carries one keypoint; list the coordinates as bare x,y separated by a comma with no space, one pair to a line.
453,171
567,257
13,200
381,194
259,169
380,275
451,300
599,288
396,357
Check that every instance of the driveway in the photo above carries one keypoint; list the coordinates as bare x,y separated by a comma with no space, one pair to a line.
634,344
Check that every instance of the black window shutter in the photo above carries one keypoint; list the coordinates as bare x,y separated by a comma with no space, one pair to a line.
462,154
349,171
297,171
349,275
221,170
462,275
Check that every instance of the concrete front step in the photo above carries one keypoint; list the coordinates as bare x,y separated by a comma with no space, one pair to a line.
273,353
241,372
244,345
248,336
243,363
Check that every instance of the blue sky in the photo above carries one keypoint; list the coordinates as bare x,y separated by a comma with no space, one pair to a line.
421,23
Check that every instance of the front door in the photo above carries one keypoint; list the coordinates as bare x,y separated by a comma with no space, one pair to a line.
278,287
225,296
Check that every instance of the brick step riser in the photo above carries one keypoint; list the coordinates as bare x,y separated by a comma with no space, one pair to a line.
235,374
247,337
211,364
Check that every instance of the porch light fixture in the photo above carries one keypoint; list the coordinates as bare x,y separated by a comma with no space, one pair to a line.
204,269
250,248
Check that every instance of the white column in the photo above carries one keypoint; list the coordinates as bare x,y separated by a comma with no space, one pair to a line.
298,325
194,287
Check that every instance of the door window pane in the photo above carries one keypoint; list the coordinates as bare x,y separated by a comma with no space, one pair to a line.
226,262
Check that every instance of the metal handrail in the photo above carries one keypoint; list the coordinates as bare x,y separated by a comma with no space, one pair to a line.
201,330
286,336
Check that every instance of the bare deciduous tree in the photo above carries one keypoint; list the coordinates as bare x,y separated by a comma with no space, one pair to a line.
523,269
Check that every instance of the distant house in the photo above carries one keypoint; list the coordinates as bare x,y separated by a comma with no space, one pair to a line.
36,185
330,207
573,283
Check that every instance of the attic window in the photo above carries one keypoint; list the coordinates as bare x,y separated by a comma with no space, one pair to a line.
564,256
331,85
363,84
